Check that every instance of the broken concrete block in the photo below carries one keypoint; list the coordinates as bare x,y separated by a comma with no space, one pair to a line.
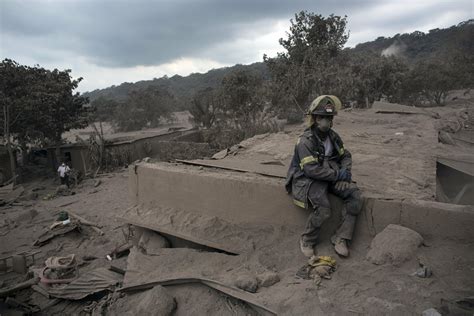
395,244
151,242
247,283
267,278
157,301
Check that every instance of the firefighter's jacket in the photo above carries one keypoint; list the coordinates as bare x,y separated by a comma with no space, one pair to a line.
309,164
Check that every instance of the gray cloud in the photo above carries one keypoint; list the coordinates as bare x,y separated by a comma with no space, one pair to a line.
105,41
129,33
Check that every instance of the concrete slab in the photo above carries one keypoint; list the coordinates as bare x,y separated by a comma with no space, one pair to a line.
222,209
242,165
202,231
380,213
387,107
234,197
435,219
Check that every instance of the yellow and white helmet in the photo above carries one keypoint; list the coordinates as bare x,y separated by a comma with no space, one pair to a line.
324,105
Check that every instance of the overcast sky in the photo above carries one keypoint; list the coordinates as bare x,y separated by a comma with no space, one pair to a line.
110,42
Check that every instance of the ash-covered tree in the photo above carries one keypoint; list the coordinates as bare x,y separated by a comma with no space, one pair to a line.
38,105
104,109
145,108
244,96
432,80
301,72
205,106
449,67
374,77
12,93
57,105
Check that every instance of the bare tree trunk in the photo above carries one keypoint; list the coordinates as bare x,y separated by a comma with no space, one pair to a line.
6,129
84,167
57,153
59,157
83,159
102,144
24,156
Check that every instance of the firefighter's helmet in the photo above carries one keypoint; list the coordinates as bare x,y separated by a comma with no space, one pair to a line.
326,105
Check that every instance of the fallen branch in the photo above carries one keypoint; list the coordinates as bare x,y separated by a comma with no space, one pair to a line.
96,172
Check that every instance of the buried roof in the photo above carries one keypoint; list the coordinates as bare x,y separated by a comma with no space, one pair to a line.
130,137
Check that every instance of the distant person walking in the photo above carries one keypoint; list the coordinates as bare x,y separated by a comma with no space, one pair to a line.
63,172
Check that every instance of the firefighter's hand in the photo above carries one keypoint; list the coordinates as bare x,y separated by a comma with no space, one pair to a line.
342,185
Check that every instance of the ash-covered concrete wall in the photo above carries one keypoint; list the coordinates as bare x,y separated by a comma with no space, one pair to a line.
248,198
231,196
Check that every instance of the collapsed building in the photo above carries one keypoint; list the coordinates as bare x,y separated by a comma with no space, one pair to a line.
119,149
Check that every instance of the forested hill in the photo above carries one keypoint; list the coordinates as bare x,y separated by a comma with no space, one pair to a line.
412,47
418,45
181,87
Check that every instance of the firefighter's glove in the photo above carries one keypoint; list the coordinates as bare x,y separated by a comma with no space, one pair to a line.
342,185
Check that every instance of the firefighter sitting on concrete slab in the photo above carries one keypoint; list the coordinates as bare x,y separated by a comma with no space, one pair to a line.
322,165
